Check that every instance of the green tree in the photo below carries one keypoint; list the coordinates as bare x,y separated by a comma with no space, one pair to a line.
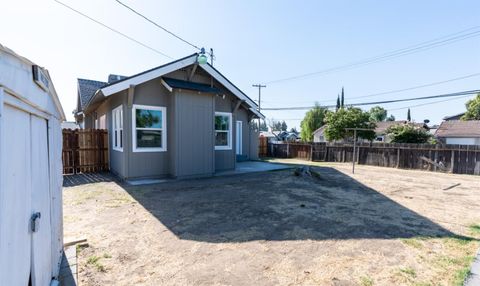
408,133
378,113
342,99
284,126
338,102
390,118
314,119
263,126
351,117
294,130
409,117
473,109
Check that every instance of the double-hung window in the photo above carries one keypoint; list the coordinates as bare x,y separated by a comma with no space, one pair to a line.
223,131
149,128
117,126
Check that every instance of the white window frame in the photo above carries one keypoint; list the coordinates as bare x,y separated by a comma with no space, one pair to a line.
117,112
163,109
229,137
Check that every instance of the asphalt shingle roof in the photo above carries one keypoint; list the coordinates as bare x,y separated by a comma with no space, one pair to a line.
459,128
87,88
382,126
177,83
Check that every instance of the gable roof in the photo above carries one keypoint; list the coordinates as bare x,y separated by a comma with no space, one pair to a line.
382,126
454,117
87,89
159,71
320,130
459,128
14,82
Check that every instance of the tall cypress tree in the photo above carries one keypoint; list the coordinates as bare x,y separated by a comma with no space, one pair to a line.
409,118
342,103
338,102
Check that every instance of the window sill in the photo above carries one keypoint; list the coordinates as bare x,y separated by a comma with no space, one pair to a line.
118,149
223,148
146,150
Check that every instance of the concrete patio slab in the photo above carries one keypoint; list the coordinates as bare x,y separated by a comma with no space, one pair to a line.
253,166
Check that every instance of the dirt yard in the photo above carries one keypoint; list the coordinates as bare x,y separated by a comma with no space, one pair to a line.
378,227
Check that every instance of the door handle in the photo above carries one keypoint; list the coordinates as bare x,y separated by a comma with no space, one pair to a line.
34,222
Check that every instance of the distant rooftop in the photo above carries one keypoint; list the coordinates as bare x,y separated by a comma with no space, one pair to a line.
459,128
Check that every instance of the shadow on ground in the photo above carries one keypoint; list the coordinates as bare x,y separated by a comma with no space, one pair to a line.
87,178
278,206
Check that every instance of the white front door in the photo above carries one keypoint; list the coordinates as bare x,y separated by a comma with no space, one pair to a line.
239,138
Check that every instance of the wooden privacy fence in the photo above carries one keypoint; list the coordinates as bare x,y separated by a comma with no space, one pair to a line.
85,151
458,159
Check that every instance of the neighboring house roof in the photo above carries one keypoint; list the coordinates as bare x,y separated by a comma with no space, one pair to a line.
70,125
454,117
459,128
320,131
267,134
159,71
115,77
382,126
182,84
86,90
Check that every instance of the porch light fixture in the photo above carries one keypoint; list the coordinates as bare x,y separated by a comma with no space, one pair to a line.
202,58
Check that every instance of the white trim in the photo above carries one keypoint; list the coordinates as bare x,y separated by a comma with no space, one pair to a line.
229,138
122,85
165,84
239,139
163,129
237,92
119,134
158,72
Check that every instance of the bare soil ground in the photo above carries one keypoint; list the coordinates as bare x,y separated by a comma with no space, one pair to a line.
378,227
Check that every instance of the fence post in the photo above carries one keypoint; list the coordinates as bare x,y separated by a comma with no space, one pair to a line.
398,157
288,150
452,161
311,151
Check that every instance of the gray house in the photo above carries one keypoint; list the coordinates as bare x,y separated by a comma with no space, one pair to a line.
182,119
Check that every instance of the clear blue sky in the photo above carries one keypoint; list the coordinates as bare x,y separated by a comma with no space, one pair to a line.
259,41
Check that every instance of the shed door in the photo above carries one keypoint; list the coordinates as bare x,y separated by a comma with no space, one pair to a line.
15,197
24,190
42,237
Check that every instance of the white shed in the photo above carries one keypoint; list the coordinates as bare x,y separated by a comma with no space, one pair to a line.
31,231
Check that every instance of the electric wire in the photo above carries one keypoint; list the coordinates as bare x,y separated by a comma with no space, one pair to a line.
114,30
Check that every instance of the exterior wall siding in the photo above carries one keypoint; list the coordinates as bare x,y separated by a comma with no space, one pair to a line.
149,164
225,159
194,134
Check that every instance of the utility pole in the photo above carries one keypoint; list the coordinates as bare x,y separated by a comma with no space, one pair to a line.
260,86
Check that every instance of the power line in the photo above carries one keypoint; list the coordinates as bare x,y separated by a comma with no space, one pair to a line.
468,92
114,30
427,45
398,90
428,103
157,25
415,87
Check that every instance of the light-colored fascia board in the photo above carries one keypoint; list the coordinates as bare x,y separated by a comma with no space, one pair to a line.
168,87
109,90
